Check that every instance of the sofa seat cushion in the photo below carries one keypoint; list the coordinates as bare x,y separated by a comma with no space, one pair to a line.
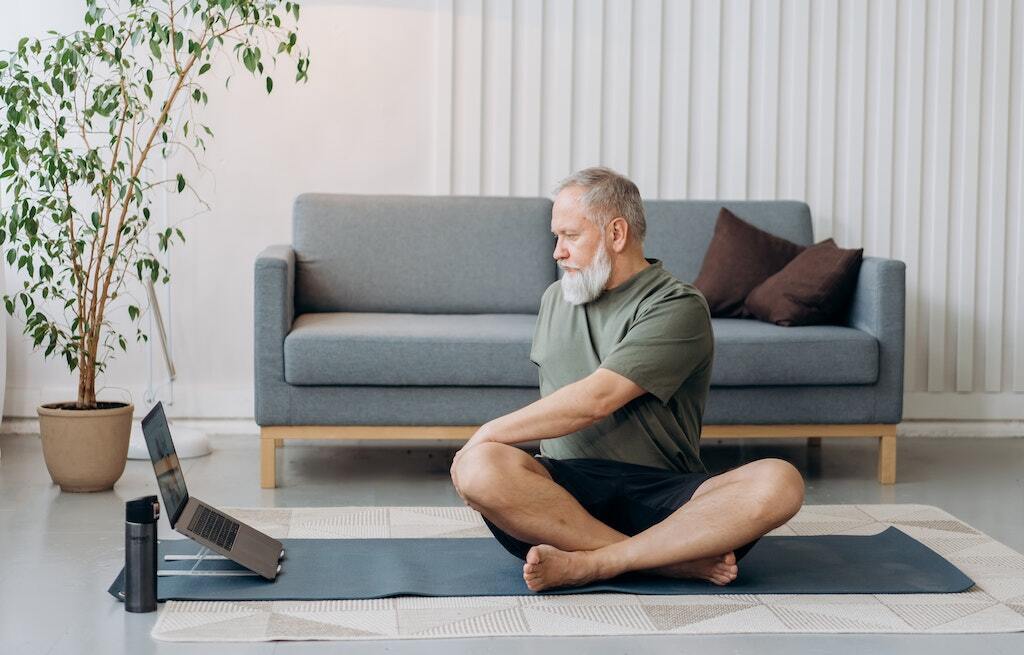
754,353
346,348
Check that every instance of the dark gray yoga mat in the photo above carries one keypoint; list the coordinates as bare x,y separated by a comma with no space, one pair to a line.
890,562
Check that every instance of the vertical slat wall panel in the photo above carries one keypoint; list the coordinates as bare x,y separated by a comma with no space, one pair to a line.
588,87
900,122
675,99
796,34
965,219
618,84
467,103
527,76
878,215
935,203
909,134
762,172
497,99
734,94
705,79
822,138
1015,208
556,99
849,206
645,112
444,18
992,190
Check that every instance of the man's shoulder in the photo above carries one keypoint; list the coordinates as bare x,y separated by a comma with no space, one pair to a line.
680,296
551,294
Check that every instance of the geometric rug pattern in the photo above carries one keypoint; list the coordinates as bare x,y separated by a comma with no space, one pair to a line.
994,604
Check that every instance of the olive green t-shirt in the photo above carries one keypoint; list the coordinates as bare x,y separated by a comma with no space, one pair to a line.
654,330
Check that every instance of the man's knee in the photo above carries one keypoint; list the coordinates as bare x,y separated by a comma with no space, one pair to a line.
778,488
483,468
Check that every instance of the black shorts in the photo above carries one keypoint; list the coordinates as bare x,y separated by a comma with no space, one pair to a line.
627,497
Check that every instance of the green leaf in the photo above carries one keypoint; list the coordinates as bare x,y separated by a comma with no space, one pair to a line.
181,183
154,47
203,69
133,312
270,85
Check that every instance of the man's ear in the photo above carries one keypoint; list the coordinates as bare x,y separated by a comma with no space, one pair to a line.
620,233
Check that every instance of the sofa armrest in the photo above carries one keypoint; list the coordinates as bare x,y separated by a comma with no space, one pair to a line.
878,307
274,311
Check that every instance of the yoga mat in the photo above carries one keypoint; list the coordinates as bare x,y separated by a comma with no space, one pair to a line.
890,562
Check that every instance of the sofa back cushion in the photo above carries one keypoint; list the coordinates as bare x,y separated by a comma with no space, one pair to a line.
478,255
421,254
679,231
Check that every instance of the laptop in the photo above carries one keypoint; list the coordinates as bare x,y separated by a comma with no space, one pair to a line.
195,519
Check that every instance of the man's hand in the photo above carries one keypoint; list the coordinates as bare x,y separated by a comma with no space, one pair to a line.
479,437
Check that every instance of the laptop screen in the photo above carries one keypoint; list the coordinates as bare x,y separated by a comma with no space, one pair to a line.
165,462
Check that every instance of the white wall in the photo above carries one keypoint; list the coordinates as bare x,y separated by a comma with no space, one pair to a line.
900,123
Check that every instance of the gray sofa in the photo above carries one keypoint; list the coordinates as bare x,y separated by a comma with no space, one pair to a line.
398,317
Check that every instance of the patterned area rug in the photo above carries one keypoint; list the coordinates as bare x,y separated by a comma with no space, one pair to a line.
994,604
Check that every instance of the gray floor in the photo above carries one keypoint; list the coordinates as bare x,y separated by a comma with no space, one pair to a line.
59,551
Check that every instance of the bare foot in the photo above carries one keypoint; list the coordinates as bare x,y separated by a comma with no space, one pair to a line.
720,570
548,567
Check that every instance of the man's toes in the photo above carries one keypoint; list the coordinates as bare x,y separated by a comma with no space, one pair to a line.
533,556
722,580
729,558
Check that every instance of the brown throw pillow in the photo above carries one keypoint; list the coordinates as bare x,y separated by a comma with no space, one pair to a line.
739,258
814,288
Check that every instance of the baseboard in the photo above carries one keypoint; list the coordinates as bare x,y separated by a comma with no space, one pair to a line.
248,427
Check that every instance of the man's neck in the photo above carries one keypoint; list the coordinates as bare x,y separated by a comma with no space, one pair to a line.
625,270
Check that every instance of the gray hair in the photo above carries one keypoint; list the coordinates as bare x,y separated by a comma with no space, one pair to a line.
607,195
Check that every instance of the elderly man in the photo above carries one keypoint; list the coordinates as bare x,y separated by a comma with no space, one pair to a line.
624,351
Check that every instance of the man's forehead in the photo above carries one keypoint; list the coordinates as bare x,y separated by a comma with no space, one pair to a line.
572,223
566,214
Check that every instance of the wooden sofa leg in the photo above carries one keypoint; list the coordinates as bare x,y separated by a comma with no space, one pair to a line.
887,456
814,442
268,463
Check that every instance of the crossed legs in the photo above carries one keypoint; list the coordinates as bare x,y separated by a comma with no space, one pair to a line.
516,493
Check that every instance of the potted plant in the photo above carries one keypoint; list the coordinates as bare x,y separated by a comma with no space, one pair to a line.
81,118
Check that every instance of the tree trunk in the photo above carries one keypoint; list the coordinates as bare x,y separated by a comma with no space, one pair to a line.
86,381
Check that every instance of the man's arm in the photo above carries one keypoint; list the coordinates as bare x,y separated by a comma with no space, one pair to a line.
567,410
571,408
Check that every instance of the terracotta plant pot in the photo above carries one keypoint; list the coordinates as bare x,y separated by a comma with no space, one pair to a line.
85,449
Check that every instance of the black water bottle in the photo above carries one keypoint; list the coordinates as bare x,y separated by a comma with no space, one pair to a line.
141,515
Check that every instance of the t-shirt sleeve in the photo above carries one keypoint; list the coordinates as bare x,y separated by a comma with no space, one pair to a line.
666,344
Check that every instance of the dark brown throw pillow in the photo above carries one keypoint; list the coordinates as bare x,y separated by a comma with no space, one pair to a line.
739,258
812,289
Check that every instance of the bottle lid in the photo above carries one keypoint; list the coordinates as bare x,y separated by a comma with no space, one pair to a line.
142,510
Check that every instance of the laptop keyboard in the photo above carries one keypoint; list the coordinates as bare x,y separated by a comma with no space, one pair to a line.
214,527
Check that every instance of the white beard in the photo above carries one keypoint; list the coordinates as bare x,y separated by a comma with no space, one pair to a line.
583,286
